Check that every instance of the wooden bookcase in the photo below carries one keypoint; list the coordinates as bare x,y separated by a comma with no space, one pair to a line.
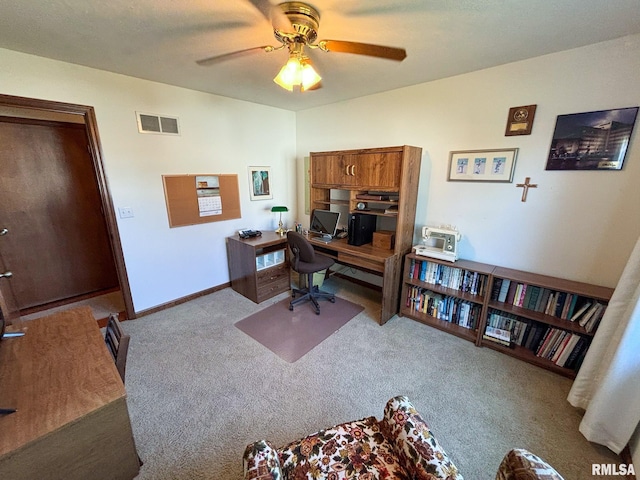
427,281
550,319
540,323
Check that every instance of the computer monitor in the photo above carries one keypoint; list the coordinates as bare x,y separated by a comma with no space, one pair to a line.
324,222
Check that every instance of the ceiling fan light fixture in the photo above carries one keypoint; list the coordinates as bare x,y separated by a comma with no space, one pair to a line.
297,72
309,76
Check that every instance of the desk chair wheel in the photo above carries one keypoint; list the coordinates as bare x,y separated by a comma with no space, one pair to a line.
291,307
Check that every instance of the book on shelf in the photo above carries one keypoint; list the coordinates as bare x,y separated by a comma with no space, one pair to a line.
495,289
497,335
585,306
511,292
586,317
594,317
391,209
543,300
443,307
371,196
528,291
504,289
534,294
576,356
561,347
561,298
450,277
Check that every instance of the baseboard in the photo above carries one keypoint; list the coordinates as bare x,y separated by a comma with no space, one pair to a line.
178,301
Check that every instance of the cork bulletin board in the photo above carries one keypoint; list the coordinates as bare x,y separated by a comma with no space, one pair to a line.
202,198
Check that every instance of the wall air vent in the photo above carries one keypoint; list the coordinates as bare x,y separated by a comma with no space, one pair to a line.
151,123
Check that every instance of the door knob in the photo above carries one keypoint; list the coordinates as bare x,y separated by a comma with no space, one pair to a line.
4,231
6,274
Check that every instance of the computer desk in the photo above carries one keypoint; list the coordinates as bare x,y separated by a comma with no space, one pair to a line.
370,259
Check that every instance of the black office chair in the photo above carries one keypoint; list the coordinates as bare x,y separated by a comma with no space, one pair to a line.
307,262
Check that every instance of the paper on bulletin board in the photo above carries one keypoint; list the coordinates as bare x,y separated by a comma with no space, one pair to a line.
209,199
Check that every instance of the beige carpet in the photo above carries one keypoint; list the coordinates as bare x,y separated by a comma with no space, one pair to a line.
199,390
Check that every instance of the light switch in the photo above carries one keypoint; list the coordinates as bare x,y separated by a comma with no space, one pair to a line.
125,212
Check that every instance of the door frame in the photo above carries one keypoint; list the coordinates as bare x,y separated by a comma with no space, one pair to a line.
95,151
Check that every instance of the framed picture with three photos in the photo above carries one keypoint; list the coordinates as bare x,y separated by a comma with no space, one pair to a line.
482,165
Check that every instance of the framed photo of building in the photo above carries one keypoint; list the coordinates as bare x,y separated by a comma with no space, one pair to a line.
482,165
592,140
260,183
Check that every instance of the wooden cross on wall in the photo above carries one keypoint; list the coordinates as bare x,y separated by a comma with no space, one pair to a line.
526,186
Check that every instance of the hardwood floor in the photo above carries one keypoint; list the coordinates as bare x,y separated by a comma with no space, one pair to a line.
101,304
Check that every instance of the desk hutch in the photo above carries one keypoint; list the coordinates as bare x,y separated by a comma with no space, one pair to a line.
339,177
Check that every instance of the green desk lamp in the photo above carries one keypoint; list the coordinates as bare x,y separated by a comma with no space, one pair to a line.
280,209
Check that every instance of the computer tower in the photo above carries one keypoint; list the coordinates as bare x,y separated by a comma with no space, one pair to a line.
361,228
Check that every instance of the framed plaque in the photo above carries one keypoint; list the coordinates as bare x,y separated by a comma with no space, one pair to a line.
520,120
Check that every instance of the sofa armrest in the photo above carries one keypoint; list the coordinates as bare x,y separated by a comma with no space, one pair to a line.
521,464
417,449
261,462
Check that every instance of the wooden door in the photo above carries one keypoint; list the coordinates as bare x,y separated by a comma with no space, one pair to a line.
49,200
335,170
9,311
379,170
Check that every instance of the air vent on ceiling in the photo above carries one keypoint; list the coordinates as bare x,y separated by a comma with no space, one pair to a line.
151,123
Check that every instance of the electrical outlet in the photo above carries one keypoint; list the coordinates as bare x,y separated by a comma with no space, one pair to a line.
125,212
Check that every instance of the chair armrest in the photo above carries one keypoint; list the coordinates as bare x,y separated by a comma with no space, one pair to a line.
520,464
417,449
261,462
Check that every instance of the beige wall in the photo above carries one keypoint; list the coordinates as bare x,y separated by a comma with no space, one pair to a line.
577,225
219,135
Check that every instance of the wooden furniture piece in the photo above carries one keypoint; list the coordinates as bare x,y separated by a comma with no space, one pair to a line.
71,418
118,343
259,266
540,322
389,177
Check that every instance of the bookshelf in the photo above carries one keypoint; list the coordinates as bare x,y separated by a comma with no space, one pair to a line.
448,296
555,320
546,321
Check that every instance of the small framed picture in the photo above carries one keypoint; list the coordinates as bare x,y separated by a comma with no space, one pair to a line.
260,183
520,120
482,165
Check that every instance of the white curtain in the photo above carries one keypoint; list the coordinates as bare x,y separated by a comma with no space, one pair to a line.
607,386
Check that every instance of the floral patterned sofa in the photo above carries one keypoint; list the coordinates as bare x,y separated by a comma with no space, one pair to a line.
398,447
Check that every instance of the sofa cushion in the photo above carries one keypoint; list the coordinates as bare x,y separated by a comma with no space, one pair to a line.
520,464
353,450
414,444
261,462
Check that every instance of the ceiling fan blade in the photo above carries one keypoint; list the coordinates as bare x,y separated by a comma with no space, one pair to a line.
205,62
274,14
380,51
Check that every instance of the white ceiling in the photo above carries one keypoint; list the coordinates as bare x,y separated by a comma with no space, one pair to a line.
161,40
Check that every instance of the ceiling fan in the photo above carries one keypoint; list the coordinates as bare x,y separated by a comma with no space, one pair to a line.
295,26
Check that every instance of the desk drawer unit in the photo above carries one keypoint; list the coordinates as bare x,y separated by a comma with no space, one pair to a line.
273,281
259,267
